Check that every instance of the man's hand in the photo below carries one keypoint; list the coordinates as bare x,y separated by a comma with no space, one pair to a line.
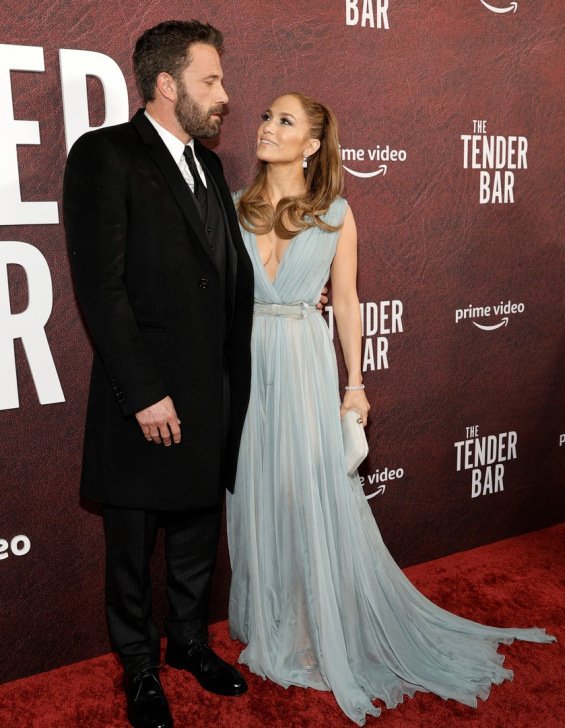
159,422
323,299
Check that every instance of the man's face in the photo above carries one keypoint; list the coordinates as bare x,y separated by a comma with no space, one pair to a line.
200,94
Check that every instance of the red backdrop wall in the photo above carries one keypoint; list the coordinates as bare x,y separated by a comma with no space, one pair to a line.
461,272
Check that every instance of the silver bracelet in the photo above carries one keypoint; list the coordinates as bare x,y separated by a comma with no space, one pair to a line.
354,389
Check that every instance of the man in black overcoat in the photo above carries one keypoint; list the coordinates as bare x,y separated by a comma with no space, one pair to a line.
166,289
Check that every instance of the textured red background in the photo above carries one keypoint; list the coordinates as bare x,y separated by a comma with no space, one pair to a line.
424,239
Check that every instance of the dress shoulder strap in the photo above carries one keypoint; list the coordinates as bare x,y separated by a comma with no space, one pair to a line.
236,195
336,211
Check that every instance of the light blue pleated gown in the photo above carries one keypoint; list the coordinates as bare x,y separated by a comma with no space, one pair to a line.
315,594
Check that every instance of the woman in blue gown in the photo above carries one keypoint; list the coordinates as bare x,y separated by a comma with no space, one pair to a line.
315,595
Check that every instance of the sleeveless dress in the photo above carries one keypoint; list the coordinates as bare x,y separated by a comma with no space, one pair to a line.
315,594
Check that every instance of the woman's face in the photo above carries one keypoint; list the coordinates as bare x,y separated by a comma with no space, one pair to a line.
284,135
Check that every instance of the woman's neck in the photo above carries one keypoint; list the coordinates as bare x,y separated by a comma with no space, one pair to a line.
284,181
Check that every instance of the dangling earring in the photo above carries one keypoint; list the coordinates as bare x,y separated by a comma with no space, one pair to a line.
305,163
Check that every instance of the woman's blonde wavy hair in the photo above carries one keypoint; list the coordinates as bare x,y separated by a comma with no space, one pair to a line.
324,182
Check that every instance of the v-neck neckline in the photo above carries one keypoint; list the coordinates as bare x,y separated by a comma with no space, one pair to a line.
282,260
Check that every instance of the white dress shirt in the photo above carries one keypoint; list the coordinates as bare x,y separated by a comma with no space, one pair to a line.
176,148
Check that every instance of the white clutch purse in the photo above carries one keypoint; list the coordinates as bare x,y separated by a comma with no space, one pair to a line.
354,441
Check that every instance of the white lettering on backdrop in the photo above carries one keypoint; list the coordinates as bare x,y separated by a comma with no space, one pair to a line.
29,325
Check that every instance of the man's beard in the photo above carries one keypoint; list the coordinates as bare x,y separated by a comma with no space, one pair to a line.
194,120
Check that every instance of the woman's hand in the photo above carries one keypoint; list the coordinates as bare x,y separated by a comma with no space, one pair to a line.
356,400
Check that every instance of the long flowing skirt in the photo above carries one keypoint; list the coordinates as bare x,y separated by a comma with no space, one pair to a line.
316,596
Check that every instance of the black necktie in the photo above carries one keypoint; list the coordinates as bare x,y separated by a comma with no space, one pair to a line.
199,188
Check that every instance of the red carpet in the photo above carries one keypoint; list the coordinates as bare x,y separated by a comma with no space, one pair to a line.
518,582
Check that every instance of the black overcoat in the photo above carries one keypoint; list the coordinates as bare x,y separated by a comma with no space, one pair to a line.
160,323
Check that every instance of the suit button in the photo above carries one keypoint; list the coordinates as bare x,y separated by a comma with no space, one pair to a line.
208,230
203,283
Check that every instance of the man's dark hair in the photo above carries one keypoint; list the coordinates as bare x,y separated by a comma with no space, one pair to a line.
166,47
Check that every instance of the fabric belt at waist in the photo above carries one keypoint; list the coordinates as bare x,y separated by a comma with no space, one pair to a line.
294,310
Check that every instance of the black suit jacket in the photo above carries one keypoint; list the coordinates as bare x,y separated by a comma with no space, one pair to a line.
160,322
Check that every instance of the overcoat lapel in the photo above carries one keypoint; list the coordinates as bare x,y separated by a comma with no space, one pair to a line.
173,177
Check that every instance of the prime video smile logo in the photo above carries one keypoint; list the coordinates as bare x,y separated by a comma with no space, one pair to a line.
510,8
379,158
502,309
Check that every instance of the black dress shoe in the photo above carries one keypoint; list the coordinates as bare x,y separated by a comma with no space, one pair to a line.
147,704
210,670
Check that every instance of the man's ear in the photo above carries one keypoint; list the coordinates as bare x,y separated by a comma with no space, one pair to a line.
165,86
